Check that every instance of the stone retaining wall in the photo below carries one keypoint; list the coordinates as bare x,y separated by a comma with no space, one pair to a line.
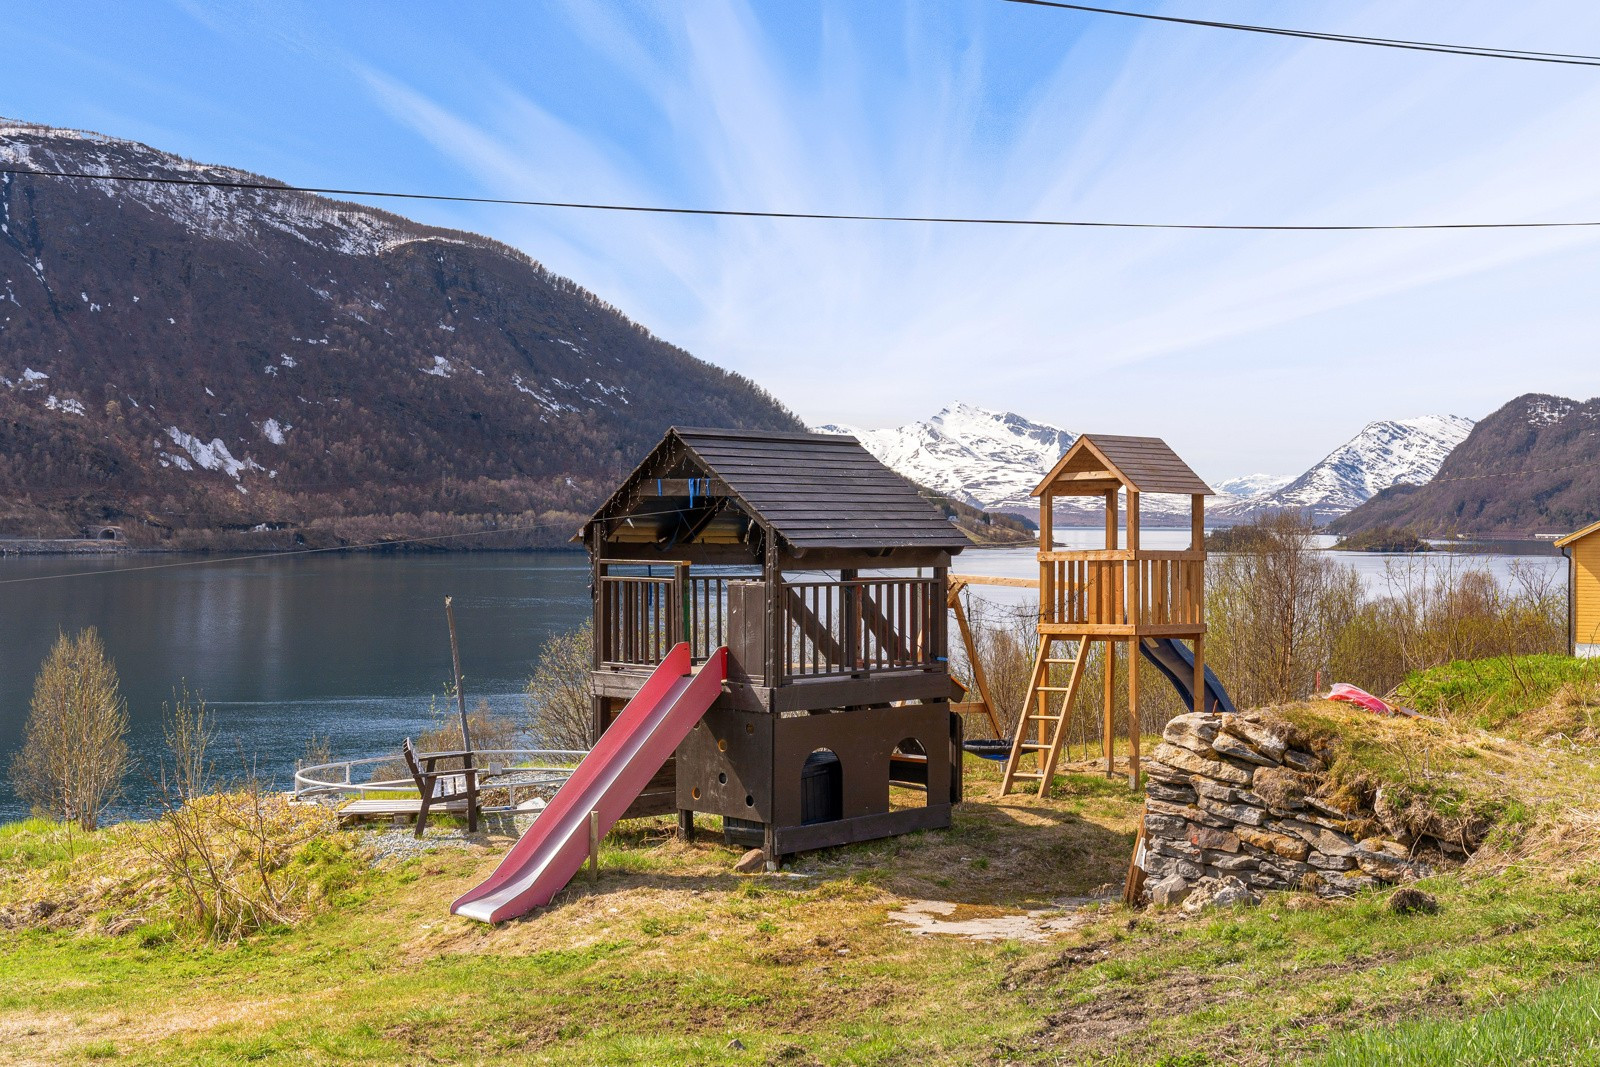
1246,796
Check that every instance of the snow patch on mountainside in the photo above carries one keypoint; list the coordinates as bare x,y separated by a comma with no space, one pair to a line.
228,213
1249,486
989,459
1383,454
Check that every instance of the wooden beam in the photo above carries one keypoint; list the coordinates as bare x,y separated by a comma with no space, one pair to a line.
1133,713
1197,523
1108,741
1111,519
978,677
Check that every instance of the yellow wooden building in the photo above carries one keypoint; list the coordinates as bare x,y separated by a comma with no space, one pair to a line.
1582,550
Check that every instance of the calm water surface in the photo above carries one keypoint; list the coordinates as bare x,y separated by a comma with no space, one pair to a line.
350,647
354,647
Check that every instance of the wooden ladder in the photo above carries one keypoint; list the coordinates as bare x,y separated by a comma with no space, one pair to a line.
1038,723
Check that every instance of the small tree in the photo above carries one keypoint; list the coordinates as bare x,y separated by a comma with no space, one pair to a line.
187,728
74,750
558,697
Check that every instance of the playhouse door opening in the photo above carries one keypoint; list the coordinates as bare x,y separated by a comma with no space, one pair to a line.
821,788
908,772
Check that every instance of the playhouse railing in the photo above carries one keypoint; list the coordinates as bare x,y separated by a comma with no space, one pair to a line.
842,628
645,612
1095,588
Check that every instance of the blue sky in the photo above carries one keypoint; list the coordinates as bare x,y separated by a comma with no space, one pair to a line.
1248,352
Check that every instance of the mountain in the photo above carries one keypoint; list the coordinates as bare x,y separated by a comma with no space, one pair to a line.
1250,486
187,360
1531,467
1383,454
989,459
993,459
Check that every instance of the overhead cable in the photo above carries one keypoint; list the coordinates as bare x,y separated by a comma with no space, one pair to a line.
952,220
1484,52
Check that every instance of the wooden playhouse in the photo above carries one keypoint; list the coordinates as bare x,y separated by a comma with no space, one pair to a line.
826,577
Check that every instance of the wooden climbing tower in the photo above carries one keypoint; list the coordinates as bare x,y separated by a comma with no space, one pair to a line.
1123,593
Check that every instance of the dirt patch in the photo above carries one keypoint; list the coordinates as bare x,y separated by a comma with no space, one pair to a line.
972,923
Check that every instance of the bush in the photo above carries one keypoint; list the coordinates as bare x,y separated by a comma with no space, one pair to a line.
560,710
74,752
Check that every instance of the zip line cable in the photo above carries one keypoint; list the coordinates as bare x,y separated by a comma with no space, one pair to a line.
1484,52
219,183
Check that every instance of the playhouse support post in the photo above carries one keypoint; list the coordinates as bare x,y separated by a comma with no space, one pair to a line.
1109,727
1199,672
685,825
1133,713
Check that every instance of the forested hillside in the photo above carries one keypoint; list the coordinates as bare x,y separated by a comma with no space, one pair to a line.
203,364
1531,467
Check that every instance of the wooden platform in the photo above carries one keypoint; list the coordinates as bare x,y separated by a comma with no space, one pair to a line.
379,810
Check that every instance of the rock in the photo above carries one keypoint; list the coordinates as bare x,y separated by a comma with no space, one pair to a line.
1172,794
1162,773
1302,761
1289,848
1216,840
1169,846
1229,745
1324,862
1327,808
1410,901
1164,825
1225,861
1387,868
1191,730
1169,891
1258,736
1157,865
1234,812
751,861
1385,846
1187,812
1341,884
1320,838
1282,788
1216,790
1183,759
1224,892
736,1045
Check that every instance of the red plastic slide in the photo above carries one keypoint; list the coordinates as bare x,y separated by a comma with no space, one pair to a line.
610,778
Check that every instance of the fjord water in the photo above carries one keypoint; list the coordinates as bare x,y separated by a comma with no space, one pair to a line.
350,647
354,647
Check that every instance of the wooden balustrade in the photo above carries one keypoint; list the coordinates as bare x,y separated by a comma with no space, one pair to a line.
1116,587
860,626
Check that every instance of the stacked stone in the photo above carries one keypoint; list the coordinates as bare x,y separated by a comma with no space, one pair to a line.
1242,796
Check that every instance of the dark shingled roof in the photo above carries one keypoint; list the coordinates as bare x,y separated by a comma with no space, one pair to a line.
814,490
1146,464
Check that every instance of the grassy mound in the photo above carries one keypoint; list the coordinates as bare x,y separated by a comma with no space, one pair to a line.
1526,697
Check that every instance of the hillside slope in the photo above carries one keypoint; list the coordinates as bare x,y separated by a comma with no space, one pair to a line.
1531,467
186,359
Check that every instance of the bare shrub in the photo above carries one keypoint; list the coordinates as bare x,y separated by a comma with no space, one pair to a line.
187,728
227,858
557,698
74,752
1273,610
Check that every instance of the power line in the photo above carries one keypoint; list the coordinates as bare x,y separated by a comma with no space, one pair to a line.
219,183
1524,55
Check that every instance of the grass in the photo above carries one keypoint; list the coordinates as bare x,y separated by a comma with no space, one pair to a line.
672,956
1529,697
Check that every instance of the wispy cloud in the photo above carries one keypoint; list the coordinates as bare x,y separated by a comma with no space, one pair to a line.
933,110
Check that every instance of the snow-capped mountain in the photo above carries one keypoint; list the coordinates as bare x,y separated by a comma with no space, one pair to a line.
1250,486
1386,453
993,459
989,459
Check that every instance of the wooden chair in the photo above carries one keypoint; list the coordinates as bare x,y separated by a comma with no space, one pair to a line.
437,788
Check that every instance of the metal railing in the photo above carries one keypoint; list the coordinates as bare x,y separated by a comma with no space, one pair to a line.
517,770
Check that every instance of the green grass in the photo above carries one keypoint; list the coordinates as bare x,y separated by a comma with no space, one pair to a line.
671,956
1560,1026
1491,694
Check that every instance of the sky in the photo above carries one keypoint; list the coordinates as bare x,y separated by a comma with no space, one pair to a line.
1247,352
